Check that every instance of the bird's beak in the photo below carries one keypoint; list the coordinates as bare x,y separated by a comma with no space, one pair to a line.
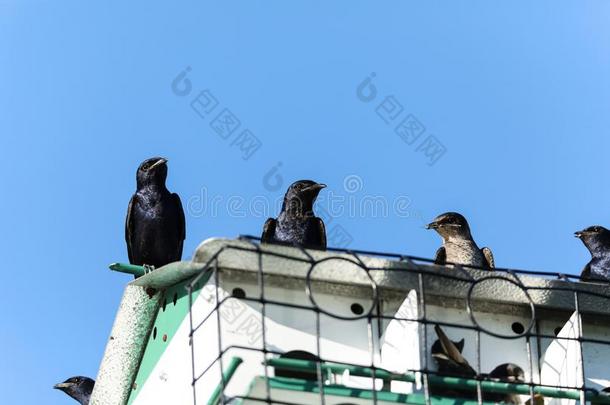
158,162
315,187
578,234
432,225
63,386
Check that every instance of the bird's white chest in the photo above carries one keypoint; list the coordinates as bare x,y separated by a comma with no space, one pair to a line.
463,252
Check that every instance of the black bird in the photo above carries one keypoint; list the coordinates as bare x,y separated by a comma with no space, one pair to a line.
507,372
155,226
297,225
79,388
448,356
597,240
302,375
458,245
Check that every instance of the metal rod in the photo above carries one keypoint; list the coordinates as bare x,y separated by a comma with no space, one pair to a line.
226,377
449,382
137,271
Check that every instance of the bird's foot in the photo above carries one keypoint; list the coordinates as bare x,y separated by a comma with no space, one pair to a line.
148,268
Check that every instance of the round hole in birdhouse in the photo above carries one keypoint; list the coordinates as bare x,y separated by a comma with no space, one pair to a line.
517,327
238,293
175,298
350,270
357,309
155,333
503,288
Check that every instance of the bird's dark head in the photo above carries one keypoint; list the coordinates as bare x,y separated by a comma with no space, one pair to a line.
301,195
450,224
79,388
437,347
594,237
152,171
508,372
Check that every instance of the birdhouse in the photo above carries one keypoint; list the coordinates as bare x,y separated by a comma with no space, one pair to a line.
249,323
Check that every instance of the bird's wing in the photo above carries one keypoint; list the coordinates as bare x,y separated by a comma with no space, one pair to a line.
268,231
441,256
489,257
129,227
181,220
181,226
322,232
452,352
586,272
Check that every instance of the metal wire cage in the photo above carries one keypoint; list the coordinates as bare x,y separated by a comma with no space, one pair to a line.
281,325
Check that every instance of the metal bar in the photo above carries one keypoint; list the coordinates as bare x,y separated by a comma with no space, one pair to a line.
226,377
580,351
137,271
219,320
423,342
191,343
449,382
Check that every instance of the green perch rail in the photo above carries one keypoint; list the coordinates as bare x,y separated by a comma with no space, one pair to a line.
137,271
226,377
448,382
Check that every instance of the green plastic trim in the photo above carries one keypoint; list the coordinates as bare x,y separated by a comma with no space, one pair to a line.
169,318
448,382
226,377
137,271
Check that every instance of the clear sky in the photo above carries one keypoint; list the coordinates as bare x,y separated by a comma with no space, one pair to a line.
516,94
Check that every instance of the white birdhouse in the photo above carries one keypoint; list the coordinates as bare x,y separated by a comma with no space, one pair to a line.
285,325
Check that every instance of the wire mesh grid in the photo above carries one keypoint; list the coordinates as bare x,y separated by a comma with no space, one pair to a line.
324,369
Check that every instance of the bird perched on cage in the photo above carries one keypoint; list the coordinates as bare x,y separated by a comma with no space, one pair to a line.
458,245
79,388
155,225
297,225
597,240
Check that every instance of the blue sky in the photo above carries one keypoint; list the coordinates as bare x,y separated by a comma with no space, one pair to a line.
517,93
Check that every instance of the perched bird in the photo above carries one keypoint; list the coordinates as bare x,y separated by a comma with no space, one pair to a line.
155,226
302,375
458,245
597,240
448,357
297,225
507,372
79,388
